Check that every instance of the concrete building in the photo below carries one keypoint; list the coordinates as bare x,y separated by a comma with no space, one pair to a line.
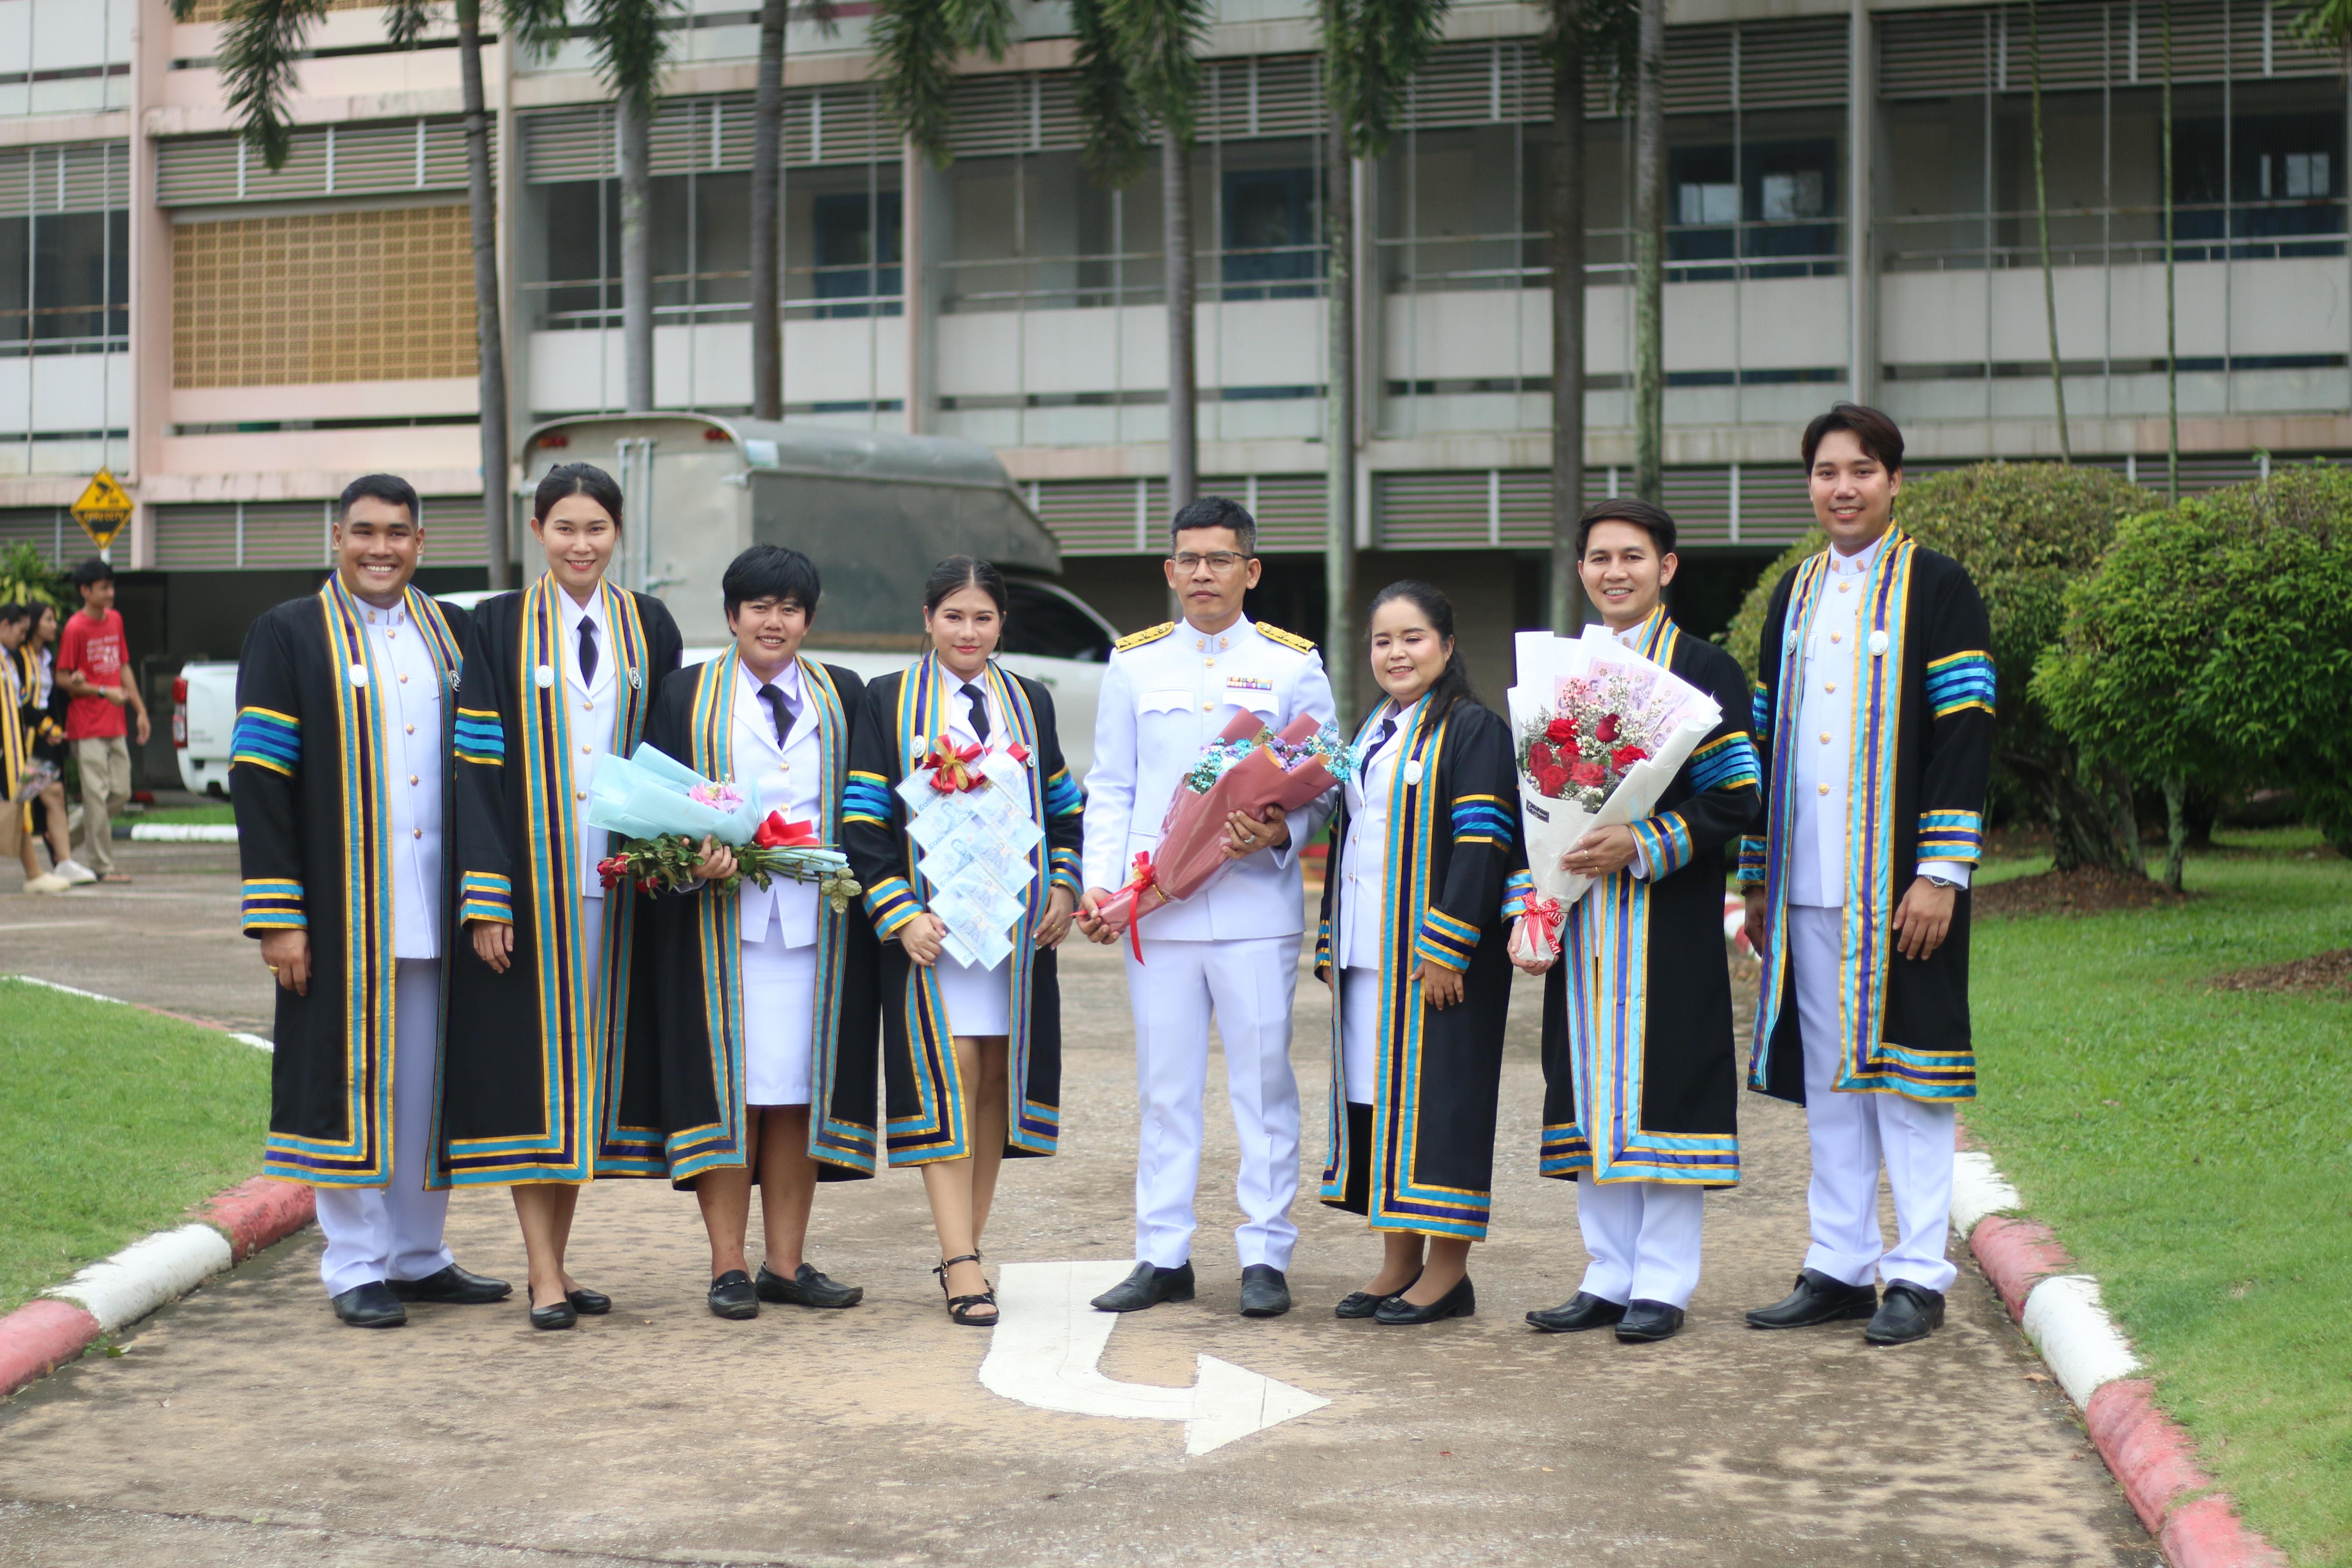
1850,211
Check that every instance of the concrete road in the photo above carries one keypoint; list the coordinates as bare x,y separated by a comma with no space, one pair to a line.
245,1425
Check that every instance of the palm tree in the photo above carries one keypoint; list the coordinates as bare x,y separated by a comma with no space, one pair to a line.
2041,204
631,48
264,41
1648,254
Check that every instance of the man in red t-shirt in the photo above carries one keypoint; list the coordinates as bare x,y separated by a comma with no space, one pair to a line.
93,666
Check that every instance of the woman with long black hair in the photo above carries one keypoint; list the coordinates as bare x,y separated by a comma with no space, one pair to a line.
972,1053
556,677
1425,847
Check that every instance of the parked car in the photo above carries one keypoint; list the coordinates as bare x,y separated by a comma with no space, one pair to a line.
204,712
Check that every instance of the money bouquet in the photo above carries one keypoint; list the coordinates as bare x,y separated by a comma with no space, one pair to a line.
1601,733
663,810
1249,767
969,816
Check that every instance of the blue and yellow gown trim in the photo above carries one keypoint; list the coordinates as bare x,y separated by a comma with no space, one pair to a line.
272,739
938,1128
582,997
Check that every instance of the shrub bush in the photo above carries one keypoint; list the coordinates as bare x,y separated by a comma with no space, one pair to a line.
2025,531
2214,643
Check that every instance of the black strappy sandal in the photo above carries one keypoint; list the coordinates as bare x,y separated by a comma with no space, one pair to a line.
959,1307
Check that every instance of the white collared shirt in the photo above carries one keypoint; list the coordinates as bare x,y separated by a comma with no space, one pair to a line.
409,695
1364,858
789,778
959,707
591,713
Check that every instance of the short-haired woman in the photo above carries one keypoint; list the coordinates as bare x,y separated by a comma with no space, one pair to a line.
1424,849
971,1056
557,677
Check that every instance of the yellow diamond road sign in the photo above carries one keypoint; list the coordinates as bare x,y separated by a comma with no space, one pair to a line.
102,509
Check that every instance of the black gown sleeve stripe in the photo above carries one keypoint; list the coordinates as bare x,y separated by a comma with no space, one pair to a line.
1484,781
1960,699
265,778
485,856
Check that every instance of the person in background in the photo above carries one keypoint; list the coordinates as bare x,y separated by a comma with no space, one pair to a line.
94,668
38,711
340,762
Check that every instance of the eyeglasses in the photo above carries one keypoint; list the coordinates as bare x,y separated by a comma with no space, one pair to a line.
1217,561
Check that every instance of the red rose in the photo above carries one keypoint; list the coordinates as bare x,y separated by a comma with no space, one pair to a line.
1540,757
1560,732
1606,730
1551,781
1591,775
611,870
1626,756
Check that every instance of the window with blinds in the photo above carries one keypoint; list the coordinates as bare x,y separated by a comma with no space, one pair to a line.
218,10
50,530
364,295
1127,517
1511,508
250,535
2107,43
325,160
77,177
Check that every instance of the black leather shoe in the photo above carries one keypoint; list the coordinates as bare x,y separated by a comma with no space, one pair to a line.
1817,1298
732,1295
1581,1312
452,1286
1647,1320
588,1303
1265,1292
1146,1287
1364,1303
562,1315
1909,1312
1459,1302
371,1306
808,1288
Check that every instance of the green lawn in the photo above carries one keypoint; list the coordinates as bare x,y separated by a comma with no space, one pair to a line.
115,1121
2193,1149
211,812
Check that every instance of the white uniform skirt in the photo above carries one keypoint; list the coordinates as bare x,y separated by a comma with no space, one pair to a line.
1359,1032
779,1015
979,1001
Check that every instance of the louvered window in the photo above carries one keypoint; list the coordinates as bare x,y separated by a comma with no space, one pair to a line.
1936,54
1511,508
196,536
712,135
79,177
1127,517
229,535
218,10
324,161
50,530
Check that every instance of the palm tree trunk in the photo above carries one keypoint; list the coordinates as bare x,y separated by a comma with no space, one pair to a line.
1649,257
2041,205
1183,391
1339,425
490,329
636,252
2171,356
767,232
1567,601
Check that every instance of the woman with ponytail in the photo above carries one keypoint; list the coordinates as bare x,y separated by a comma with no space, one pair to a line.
1425,849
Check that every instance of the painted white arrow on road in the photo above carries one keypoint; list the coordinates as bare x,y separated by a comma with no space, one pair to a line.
1047,1340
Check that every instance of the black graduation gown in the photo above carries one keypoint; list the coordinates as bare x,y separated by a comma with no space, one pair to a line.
923,1093
313,842
1640,1071
527,1088
1422,1156
1922,759
686,1079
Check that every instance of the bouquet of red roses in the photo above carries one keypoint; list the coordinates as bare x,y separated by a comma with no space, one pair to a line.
1248,768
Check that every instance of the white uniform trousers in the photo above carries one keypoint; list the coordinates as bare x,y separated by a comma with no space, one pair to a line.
393,1232
1644,1237
1853,1134
1248,984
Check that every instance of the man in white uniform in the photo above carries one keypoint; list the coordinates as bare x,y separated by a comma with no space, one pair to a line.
1231,950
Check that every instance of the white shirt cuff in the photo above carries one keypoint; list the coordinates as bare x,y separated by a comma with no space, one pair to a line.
1641,866
1953,871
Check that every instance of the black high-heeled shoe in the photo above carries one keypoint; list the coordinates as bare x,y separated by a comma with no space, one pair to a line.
1461,1301
1364,1303
959,1308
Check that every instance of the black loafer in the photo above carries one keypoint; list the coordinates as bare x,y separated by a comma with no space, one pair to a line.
1647,1321
1581,1312
1364,1303
1817,1298
808,1288
562,1315
1909,1312
452,1286
1265,1292
1147,1286
588,1303
370,1306
1461,1301
732,1295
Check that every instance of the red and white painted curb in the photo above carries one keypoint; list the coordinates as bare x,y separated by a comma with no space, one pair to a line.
115,1292
2058,1307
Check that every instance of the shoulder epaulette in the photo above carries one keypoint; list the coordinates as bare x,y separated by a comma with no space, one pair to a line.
1288,639
1149,634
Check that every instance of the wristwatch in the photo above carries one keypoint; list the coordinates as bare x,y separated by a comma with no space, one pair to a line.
1940,881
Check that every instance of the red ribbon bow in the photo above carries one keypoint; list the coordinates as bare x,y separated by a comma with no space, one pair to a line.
951,765
775,833
1145,877
1543,917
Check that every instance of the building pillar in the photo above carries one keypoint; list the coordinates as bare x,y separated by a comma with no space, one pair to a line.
923,243
150,283
1862,254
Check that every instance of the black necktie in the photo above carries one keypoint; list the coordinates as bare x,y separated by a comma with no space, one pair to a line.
979,713
587,652
780,713
1388,727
